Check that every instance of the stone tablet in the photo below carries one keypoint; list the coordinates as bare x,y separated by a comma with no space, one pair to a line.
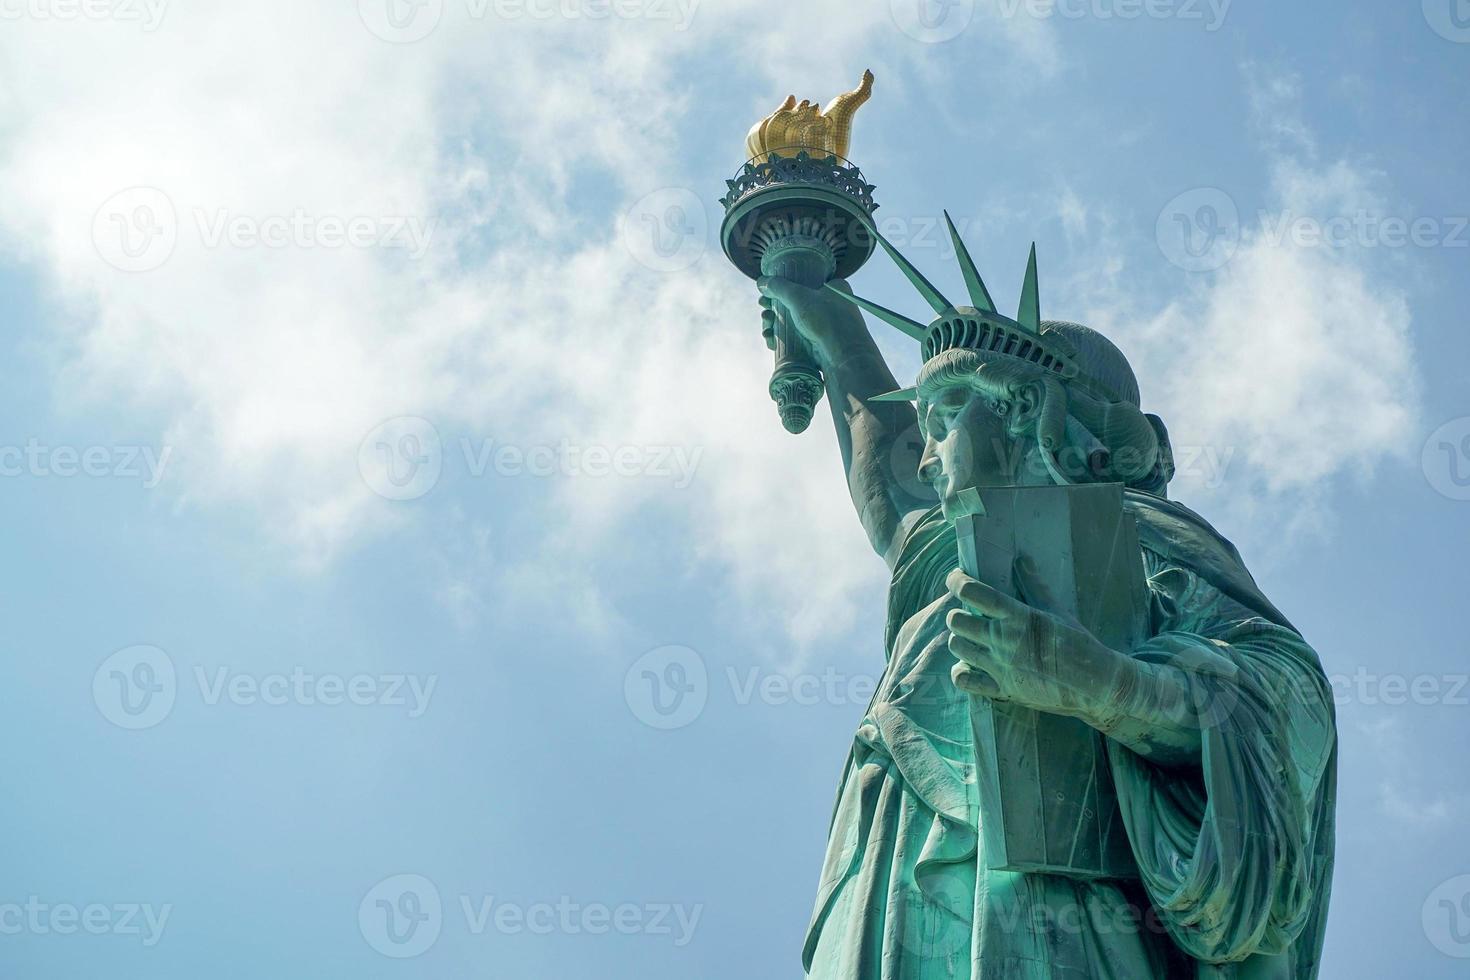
1047,802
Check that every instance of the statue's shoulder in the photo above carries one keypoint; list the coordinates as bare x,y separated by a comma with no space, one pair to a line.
1184,538
1170,527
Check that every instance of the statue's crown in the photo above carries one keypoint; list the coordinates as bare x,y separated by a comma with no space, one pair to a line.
977,327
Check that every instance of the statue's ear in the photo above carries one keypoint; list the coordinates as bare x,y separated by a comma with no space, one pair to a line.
1164,470
1027,402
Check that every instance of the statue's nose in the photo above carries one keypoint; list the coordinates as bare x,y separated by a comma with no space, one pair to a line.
929,465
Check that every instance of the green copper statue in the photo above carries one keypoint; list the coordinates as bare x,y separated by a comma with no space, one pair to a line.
1097,749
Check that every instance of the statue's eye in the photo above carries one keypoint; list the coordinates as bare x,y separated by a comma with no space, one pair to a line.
941,420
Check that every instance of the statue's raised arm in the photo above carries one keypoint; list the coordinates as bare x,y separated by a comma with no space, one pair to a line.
879,441
799,218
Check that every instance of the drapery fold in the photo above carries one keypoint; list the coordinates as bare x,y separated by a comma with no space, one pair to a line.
1234,850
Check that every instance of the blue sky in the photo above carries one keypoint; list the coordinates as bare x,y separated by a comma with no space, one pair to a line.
375,396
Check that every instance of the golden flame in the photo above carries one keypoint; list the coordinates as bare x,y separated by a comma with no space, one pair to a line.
795,127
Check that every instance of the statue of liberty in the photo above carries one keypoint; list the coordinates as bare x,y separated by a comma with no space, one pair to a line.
1217,723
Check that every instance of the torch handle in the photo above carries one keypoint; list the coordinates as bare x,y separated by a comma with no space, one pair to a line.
796,384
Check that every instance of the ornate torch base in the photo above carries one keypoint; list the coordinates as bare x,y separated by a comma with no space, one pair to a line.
802,219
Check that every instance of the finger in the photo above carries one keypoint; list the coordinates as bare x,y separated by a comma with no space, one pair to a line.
972,652
767,302
981,598
781,290
973,681
969,625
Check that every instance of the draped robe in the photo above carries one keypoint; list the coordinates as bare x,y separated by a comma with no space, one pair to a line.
1234,850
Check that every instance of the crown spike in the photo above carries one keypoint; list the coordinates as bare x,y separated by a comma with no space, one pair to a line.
913,328
902,395
979,295
1029,315
926,289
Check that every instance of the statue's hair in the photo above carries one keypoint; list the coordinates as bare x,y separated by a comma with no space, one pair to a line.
1133,450
1001,381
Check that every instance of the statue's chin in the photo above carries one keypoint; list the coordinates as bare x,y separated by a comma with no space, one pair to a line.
961,503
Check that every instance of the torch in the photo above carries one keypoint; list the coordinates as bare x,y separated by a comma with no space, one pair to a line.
799,209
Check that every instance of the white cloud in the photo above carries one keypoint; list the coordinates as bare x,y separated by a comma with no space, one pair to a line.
526,316
1291,367
269,365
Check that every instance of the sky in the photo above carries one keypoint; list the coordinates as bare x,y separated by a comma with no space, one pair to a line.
408,574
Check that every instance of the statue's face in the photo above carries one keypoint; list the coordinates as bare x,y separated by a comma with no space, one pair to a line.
967,444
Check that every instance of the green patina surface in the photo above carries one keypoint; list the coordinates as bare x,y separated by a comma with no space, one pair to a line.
1097,750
